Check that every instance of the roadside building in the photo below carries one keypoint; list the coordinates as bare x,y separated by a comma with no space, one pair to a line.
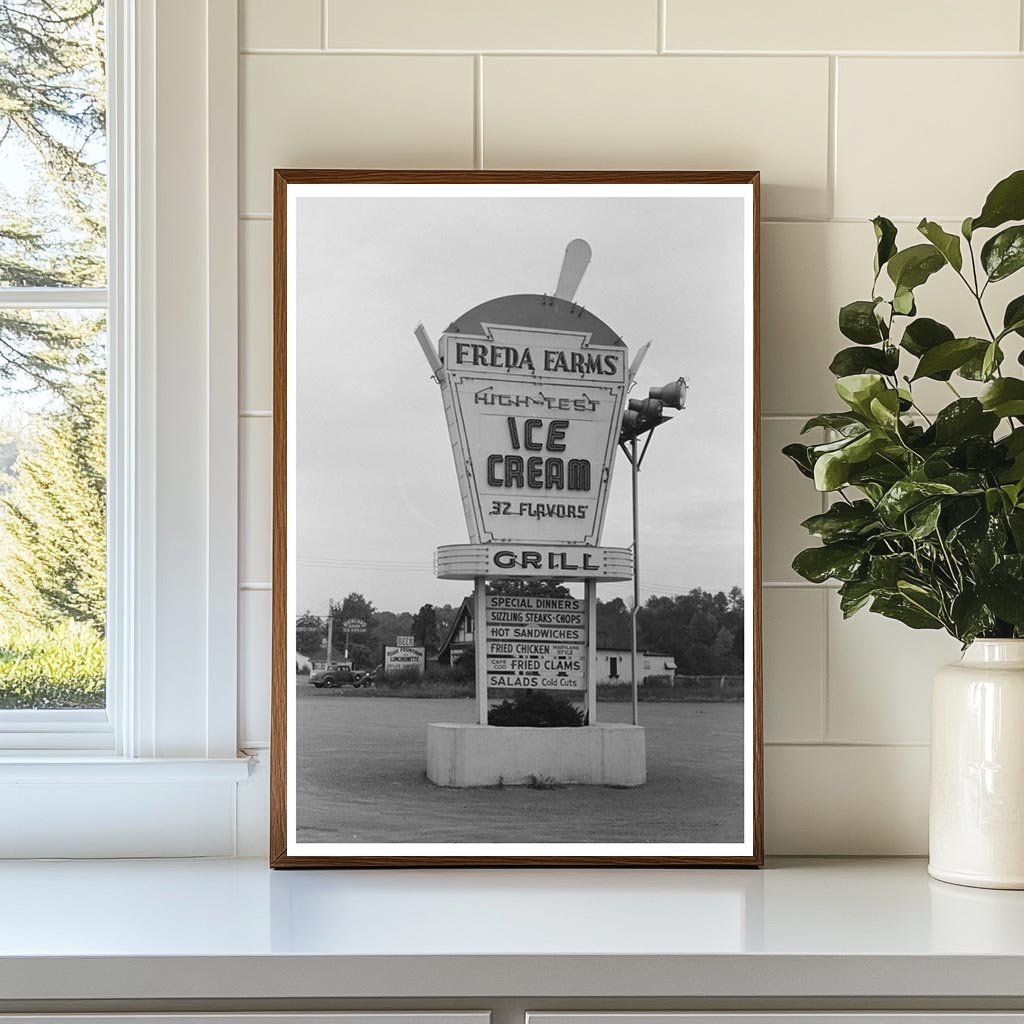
459,637
615,665
318,659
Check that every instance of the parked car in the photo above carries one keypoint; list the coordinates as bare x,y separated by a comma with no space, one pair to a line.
337,675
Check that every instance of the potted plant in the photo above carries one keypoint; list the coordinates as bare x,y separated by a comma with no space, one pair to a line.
926,522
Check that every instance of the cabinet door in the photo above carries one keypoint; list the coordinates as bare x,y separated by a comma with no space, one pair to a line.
360,1017
785,1017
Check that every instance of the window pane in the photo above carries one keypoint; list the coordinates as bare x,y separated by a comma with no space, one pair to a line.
52,144
52,509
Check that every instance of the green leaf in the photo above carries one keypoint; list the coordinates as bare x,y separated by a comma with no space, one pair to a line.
923,335
854,594
885,409
912,267
849,361
1004,397
990,360
1005,202
925,518
903,302
831,471
840,561
1003,254
970,617
966,229
841,421
864,446
857,321
887,570
966,417
950,355
1005,596
885,237
906,494
858,389
842,521
897,607
1013,317
974,368
799,455
947,244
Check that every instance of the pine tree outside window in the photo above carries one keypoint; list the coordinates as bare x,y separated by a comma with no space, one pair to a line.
53,361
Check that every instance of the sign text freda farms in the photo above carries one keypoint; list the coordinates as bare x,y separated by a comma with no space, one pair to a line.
534,417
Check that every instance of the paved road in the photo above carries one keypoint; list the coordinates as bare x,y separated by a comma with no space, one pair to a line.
362,778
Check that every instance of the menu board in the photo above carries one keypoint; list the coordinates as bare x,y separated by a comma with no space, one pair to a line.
536,642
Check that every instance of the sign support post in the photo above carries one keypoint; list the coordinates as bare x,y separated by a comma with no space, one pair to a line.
590,596
636,579
480,646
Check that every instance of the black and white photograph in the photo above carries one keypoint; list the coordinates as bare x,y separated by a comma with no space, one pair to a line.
515,498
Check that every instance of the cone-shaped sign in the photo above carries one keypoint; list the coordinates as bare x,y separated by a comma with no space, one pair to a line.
533,390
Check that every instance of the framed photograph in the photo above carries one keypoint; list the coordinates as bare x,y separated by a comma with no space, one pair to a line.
516,605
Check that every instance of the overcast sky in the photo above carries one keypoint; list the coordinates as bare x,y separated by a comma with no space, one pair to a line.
376,485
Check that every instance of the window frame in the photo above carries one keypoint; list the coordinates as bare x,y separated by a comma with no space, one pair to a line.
60,730
168,152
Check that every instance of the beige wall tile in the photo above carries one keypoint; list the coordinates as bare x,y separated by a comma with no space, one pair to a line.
787,498
879,677
356,111
253,667
963,130
255,324
868,25
794,663
846,801
808,271
666,112
254,505
472,25
266,24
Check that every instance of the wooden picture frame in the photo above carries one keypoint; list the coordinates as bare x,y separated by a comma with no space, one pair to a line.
288,848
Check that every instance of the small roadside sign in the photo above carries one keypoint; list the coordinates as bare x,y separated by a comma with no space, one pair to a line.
354,626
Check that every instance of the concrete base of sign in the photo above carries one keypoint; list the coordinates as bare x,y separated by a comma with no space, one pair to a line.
463,756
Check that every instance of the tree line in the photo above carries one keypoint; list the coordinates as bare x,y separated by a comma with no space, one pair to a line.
701,630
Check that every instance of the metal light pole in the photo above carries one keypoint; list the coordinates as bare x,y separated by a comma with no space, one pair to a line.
642,417
636,579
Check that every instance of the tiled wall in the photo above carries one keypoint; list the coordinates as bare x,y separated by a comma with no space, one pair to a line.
906,108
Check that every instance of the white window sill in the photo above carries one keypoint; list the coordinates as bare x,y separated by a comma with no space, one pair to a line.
76,766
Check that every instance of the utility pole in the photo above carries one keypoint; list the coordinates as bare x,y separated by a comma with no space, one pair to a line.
330,635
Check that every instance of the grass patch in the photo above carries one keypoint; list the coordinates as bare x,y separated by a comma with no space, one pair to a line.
61,667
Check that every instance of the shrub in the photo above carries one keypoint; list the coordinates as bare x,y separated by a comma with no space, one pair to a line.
60,667
536,709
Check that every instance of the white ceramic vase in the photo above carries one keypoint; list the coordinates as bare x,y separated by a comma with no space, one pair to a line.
976,815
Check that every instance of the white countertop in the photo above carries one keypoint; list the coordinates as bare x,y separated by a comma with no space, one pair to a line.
233,929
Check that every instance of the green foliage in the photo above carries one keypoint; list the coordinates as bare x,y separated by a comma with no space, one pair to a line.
537,710
52,124
62,667
53,521
52,234
927,523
